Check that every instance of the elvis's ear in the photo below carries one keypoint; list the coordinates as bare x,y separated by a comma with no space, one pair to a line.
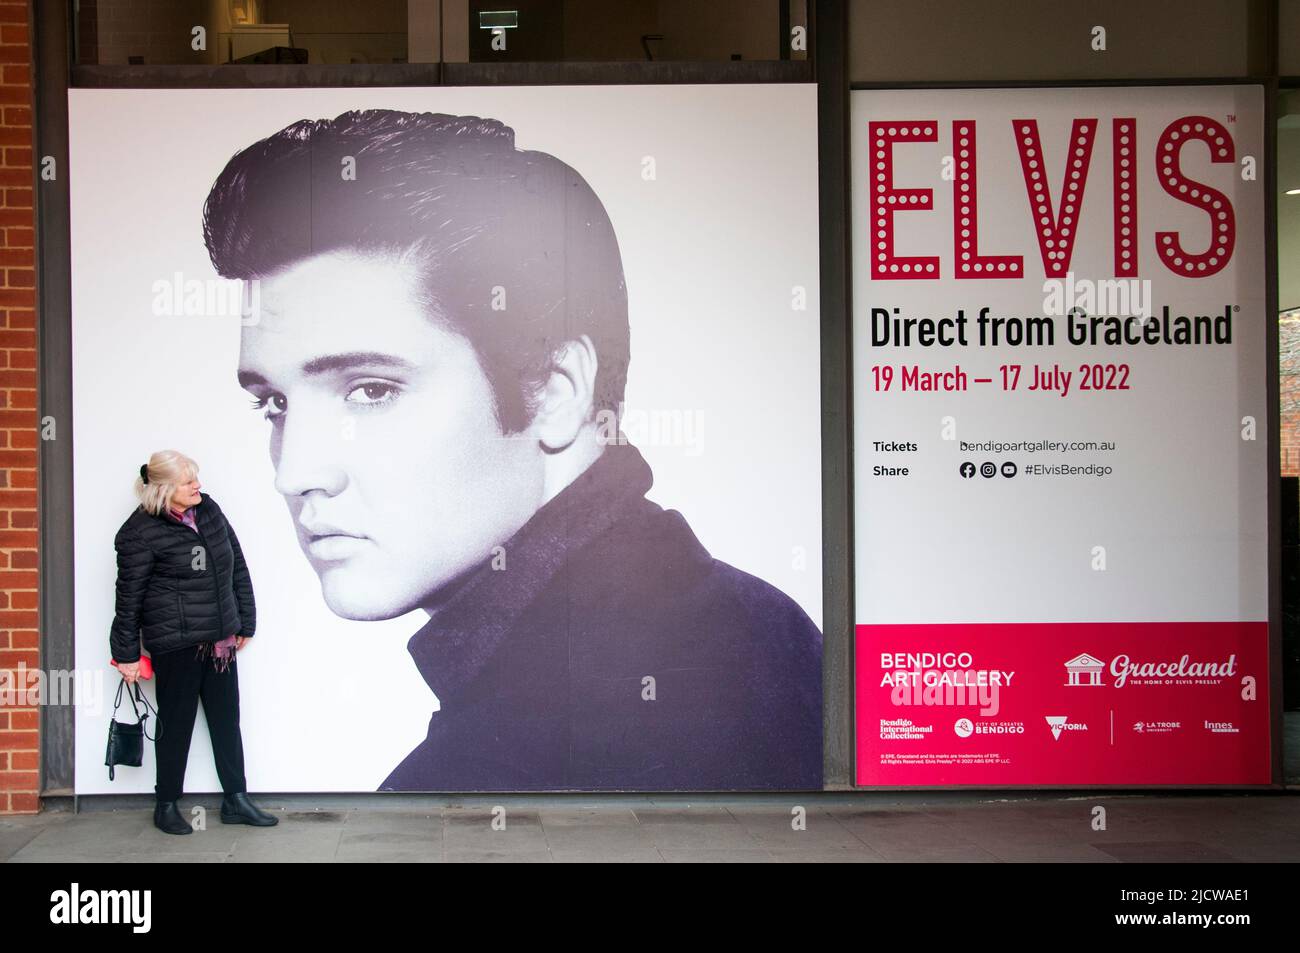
566,400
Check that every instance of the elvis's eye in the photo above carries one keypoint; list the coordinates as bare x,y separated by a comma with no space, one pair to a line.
373,392
272,405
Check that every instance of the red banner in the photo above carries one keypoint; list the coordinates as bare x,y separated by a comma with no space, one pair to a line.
1063,703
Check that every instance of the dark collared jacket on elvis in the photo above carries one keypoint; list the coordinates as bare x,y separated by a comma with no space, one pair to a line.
539,667
168,599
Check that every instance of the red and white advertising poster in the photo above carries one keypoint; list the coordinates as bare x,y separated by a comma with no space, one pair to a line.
1061,443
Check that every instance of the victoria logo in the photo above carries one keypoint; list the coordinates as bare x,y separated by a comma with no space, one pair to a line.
1059,723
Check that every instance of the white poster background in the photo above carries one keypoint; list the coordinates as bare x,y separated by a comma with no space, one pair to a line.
1183,518
713,247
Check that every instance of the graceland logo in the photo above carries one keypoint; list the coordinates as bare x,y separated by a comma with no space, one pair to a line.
1084,670
1123,669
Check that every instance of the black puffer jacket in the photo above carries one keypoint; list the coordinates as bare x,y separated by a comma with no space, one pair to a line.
177,588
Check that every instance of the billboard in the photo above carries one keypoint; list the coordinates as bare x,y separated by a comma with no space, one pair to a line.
1060,436
483,380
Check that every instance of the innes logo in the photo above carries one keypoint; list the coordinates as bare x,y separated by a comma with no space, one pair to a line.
1060,723
77,906
1222,728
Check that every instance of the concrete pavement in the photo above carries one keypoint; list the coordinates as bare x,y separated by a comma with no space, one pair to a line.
859,827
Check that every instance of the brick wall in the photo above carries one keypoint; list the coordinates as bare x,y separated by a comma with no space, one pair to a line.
19,764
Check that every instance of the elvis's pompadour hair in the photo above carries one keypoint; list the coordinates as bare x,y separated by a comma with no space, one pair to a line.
515,251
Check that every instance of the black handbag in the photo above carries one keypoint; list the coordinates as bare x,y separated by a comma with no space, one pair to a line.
125,740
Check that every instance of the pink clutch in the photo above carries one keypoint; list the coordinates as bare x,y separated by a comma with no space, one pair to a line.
146,667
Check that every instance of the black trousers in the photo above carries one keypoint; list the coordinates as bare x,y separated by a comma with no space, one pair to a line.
183,680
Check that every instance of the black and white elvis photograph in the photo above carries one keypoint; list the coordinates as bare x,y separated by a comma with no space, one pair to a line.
512,398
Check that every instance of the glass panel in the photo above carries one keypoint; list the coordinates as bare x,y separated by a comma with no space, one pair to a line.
960,41
1288,276
634,30
1288,35
172,32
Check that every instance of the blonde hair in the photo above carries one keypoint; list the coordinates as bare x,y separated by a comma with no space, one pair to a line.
167,470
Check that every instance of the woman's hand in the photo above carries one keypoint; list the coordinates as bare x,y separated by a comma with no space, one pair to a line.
239,642
130,671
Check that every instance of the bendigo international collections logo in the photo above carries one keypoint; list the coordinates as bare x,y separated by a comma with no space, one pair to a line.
904,729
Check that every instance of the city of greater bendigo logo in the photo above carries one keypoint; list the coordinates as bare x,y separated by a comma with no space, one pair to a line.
1084,670
965,727
1059,723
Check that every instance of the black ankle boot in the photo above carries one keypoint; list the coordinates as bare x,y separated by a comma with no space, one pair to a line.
167,818
238,809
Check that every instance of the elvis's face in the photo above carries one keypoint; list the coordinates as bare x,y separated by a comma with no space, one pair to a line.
383,435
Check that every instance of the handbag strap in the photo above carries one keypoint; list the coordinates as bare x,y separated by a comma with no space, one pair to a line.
117,702
157,719
133,697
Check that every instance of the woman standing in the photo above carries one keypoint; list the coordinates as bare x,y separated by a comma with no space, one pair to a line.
183,589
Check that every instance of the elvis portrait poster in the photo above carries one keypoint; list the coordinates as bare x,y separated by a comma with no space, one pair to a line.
513,394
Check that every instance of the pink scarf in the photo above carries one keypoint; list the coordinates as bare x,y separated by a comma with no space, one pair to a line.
222,652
